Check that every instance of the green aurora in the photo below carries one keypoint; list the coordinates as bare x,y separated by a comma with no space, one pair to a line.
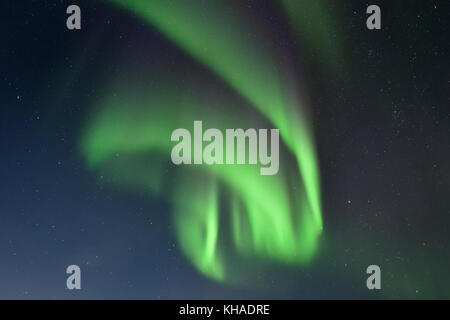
275,218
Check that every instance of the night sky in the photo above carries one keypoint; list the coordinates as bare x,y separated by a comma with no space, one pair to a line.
379,109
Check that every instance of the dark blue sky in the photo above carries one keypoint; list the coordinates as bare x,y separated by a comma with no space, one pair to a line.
383,135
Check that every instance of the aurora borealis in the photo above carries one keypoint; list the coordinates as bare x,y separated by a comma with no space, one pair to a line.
87,118
278,227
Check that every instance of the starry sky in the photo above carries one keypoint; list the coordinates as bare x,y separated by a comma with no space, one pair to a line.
378,107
